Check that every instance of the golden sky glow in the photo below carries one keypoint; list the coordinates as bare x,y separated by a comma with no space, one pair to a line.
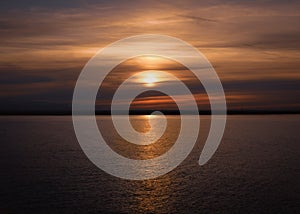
253,46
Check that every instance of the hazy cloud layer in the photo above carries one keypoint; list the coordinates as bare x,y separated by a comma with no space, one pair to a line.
253,45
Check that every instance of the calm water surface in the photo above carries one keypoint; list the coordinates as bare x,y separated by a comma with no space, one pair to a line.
255,169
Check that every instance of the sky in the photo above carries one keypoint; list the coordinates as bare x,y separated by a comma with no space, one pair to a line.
254,47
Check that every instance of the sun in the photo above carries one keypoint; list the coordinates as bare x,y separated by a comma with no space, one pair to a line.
150,79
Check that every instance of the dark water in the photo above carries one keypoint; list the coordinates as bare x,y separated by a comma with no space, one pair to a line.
255,170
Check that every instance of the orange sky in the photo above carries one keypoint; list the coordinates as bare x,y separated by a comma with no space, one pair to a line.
253,46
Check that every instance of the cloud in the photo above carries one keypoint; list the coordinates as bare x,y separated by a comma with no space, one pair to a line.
253,45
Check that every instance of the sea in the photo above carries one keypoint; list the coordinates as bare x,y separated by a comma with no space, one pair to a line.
256,168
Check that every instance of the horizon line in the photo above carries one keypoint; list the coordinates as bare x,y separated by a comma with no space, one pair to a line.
148,112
